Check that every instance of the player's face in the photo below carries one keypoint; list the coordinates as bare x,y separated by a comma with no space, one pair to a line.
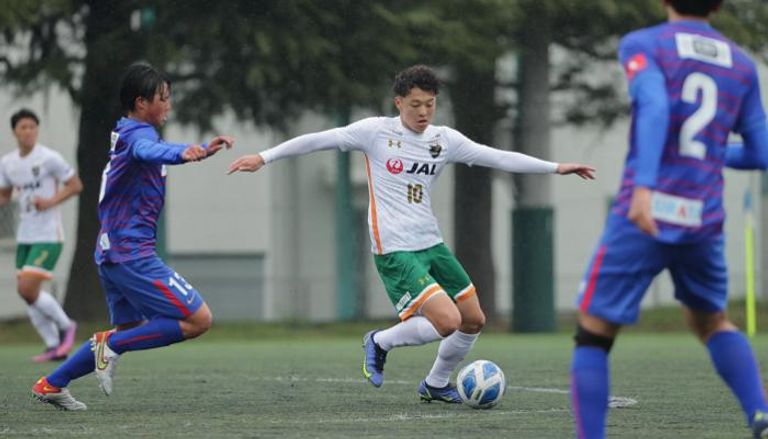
25,132
417,109
158,108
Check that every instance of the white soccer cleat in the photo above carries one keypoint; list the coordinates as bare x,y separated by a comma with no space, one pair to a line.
106,360
55,396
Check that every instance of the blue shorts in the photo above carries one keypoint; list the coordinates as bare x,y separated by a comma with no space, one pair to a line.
627,260
146,288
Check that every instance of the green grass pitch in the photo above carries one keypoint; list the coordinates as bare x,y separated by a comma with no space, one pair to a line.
310,386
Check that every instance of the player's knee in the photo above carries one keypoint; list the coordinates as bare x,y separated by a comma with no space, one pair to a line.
473,324
199,325
28,293
447,324
705,324
206,323
584,337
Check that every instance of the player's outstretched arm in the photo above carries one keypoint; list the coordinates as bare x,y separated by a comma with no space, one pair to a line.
219,142
583,171
473,153
304,144
246,163
195,153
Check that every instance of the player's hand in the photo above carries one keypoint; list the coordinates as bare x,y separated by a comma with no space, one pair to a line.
194,153
246,163
640,211
583,171
219,142
42,204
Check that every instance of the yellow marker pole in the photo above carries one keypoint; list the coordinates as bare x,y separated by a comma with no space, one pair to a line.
749,245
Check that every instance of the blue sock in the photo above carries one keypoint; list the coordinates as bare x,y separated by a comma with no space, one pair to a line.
153,334
733,359
590,382
77,365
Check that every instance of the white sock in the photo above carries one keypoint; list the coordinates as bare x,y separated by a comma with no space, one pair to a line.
49,307
452,350
416,331
44,326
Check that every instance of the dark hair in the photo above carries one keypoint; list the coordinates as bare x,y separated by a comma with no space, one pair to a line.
141,80
420,76
23,114
697,8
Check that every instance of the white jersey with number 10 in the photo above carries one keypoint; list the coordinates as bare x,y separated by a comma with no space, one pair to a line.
401,166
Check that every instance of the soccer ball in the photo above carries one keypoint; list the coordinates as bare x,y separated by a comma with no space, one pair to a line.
481,384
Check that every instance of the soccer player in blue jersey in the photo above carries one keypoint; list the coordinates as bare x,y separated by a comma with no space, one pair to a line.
149,303
690,87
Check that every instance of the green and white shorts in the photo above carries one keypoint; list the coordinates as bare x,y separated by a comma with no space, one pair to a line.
411,278
38,259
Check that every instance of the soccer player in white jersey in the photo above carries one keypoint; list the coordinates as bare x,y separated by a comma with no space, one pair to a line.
430,290
42,180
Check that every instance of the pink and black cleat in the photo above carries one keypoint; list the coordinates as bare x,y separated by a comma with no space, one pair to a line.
50,354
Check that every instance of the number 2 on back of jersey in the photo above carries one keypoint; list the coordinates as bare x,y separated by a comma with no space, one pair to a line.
694,83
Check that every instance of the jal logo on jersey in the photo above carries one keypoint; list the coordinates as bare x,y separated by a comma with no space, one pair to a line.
422,168
394,166
29,186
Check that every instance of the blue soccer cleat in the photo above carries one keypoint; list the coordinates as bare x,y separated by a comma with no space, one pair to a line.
373,362
760,425
447,394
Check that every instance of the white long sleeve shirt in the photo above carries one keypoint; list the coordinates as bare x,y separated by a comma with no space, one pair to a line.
401,166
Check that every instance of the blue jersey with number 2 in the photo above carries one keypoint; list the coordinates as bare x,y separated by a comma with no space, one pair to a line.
706,88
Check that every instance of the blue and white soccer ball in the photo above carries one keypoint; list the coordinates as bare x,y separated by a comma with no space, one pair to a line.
481,384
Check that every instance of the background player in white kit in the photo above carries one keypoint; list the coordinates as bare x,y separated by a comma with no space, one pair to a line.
429,288
43,180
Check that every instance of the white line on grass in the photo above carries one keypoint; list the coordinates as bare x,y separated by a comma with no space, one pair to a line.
615,401
419,416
